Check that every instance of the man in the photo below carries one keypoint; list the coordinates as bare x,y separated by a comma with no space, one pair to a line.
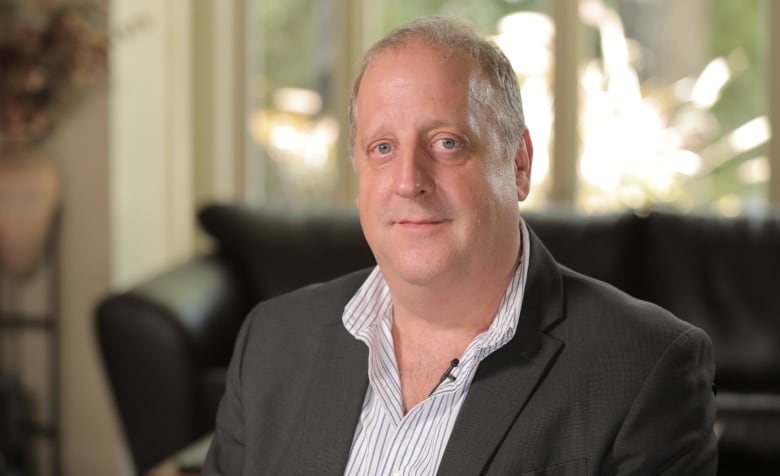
467,350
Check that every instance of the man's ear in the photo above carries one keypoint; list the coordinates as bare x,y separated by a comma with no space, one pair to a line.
523,161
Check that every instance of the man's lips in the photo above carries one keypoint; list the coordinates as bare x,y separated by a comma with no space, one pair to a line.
418,223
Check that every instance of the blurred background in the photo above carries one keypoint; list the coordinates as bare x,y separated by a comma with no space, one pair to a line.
172,104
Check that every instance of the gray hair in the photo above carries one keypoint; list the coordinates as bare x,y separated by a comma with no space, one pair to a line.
495,92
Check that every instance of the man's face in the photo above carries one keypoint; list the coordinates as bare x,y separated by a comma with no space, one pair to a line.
435,201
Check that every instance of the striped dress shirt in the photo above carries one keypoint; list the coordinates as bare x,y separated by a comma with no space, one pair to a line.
387,442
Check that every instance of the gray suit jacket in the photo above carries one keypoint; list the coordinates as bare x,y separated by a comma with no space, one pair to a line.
593,383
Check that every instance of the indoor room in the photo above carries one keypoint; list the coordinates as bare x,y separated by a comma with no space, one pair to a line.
167,165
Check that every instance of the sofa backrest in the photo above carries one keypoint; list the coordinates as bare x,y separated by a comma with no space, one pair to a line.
721,274
601,246
276,252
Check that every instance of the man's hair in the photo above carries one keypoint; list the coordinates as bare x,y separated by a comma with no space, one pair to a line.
495,92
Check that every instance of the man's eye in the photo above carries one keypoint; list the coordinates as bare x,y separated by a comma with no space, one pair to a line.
447,143
384,148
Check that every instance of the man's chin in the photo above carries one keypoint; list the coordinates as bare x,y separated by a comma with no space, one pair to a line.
420,272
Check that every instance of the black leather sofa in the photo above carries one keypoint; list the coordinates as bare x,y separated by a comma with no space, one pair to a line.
166,342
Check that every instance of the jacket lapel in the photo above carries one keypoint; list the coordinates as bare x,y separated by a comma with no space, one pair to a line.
336,398
507,379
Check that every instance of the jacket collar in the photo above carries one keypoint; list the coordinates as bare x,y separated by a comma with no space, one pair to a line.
506,379
336,395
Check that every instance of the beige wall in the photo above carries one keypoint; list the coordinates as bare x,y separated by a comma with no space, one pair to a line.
150,149
89,434
131,168
126,159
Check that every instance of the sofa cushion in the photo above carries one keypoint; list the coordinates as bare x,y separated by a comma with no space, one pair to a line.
278,251
721,274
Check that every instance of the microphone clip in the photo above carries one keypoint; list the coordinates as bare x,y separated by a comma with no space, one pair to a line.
447,375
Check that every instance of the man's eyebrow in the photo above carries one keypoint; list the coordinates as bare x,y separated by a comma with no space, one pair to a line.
462,126
370,134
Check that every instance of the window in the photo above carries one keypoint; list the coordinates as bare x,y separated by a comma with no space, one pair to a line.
671,109
674,106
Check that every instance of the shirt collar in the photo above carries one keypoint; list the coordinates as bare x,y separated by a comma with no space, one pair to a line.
372,304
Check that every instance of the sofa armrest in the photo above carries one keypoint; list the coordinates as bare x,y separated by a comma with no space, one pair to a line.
748,428
157,340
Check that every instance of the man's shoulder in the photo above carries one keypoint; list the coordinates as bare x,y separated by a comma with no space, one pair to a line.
614,342
598,309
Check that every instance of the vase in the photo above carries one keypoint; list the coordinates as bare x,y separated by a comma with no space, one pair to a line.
29,201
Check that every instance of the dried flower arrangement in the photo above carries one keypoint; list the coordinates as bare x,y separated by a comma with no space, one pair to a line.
49,55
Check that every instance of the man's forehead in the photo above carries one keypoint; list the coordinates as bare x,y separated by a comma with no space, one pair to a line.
415,70
402,57
418,46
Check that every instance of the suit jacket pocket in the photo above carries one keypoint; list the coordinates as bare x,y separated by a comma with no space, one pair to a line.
576,467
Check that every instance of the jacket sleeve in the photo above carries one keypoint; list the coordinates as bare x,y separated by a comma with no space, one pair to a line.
226,455
669,427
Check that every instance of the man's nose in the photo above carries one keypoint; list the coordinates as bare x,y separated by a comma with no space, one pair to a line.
413,174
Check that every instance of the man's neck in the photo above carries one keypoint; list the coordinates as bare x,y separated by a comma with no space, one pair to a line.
463,304
422,354
437,326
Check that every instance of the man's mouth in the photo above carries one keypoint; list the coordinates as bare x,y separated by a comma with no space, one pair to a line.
419,223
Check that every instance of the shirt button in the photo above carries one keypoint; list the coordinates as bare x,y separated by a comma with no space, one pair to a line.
396,473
